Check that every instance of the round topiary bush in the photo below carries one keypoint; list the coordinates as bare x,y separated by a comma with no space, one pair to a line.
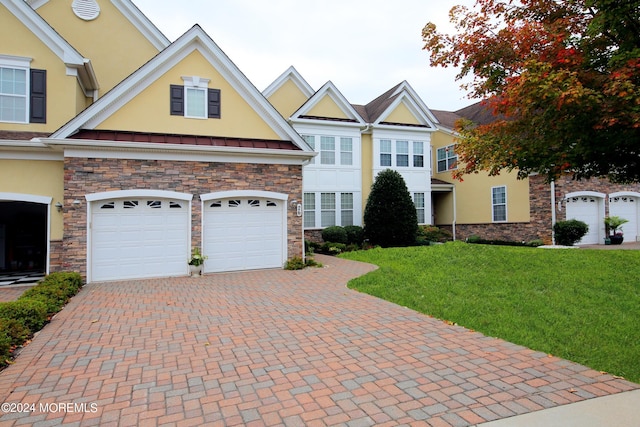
569,232
355,235
390,217
335,234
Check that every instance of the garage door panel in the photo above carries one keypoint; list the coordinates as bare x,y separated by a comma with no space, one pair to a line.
138,238
246,233
626,207
586,209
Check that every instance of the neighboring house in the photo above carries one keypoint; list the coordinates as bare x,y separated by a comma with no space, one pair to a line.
354,143
502,207
117,164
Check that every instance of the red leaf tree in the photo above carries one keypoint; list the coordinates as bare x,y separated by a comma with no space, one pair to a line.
562,79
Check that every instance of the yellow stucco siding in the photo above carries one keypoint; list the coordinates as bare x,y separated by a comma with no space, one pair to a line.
62,90
367,167
149,110
287,99
115,47
327,107
402,114
36,178
473,194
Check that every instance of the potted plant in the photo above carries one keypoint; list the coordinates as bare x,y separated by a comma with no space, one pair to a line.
196,261
611,225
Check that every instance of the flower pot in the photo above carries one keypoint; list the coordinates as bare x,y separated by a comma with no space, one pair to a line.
195,270
616,239
607,241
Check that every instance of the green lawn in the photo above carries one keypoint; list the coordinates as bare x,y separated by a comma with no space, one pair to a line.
578,304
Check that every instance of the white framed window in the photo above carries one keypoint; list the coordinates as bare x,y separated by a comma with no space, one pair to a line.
327,209
309,205
447,158
346,209
324,209
311,140
418,154
385,152
14,89
194,99
499,203
334,150
401,153
327,150
418,201
195,103
346,151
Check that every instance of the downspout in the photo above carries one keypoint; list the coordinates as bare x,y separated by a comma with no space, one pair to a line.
553,212
455,214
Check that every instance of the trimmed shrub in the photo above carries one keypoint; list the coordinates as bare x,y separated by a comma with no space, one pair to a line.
295,263
5,349
333,248
15,330
55,290
32,313
335,234
390,217
432,233
355,235
569,232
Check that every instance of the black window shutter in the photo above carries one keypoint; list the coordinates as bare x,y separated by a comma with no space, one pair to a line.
214,103
177,100
38,97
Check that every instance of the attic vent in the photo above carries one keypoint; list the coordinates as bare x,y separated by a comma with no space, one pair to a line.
86,9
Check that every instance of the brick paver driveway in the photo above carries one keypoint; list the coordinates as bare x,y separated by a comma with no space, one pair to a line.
274,348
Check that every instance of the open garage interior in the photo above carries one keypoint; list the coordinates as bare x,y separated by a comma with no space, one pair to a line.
23,237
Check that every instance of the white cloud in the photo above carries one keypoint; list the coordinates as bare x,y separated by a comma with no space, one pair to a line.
363,46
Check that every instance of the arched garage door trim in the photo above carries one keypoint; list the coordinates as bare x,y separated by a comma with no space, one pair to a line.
31,198
134,194
258,222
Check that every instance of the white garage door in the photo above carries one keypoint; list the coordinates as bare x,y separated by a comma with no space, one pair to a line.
626,207
139,237
244,233
587,210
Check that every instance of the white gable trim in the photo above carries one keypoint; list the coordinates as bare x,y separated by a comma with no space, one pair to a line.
192,40
142,23
330,90
416,110
76,64
290,74
406,87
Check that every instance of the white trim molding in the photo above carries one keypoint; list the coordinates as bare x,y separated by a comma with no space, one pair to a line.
122,194
243,193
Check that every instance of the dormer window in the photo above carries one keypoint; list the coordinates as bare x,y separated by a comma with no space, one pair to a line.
194,99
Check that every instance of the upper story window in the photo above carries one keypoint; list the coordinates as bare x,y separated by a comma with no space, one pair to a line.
402,153
447,158
13,95
194,99
22,91
334,150
499,203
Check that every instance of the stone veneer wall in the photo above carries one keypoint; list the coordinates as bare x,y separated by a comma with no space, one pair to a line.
86,176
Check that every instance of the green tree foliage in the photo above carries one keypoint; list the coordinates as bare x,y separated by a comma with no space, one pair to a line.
562,79
390,216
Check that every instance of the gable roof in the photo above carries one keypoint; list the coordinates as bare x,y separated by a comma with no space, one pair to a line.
76,64
195,39
328,90
378,110
133,14
290,74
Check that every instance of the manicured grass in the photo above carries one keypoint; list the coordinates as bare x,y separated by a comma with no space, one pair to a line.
578,304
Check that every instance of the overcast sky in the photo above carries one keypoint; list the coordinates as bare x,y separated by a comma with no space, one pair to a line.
364,47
